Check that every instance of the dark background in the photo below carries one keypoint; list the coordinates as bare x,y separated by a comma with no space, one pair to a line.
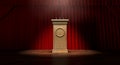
26,24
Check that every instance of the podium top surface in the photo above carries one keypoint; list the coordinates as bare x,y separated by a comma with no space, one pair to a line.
59,20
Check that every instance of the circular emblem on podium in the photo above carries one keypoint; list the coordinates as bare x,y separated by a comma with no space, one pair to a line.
60,32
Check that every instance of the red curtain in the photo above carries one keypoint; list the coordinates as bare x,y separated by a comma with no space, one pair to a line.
26,24
61,9
109,25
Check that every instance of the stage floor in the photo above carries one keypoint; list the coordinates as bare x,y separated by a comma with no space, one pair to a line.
45,57
49,53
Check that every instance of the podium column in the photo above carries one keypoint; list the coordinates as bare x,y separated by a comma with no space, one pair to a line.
59,35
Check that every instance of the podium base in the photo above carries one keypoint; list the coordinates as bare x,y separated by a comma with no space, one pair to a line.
59,51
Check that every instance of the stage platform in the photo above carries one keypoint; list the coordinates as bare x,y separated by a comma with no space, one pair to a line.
49,53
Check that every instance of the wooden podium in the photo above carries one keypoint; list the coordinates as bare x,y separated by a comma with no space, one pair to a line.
59,35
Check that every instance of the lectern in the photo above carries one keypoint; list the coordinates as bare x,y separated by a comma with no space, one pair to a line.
59,35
